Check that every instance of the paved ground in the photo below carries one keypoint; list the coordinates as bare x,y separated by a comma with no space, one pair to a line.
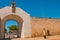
7,39
57,37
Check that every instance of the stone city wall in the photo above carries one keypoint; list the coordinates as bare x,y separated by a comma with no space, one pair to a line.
37,25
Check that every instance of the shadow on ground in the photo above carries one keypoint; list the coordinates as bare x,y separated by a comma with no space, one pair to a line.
7,39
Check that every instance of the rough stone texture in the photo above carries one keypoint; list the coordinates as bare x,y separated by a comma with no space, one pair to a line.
0,26
37,25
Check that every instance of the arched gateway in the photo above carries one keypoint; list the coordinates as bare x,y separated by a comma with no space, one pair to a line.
20,16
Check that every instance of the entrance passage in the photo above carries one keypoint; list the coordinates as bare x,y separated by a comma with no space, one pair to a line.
24,26
11,29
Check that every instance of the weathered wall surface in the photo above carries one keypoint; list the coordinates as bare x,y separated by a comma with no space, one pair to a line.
37,25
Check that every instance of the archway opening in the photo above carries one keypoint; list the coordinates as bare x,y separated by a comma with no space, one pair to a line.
12,17
11,29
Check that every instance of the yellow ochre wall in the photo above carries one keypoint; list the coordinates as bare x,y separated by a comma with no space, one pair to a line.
37,25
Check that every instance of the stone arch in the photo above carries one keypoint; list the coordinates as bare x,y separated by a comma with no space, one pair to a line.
0,27
26,28
13,17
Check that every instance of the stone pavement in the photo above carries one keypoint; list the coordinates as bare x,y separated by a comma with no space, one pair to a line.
56,37
7,39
